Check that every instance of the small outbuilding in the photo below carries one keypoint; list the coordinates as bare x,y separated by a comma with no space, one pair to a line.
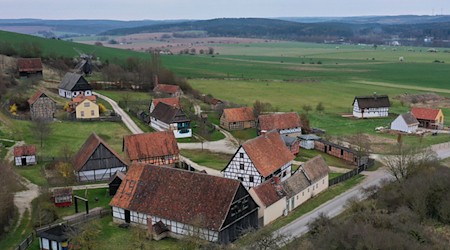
42,107
25,155
238,118
55,238
405,123
429,118
307,141
62,197
29,67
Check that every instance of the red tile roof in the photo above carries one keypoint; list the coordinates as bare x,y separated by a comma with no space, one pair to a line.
177,195
36,96
268,152
79,98
267,192
425,113
88,148
239,114
172,101
279,121
149,145
166,88
24,150
29,64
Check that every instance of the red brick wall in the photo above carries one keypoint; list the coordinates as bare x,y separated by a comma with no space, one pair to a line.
336,152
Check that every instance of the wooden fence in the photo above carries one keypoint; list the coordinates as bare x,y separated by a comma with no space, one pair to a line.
72,222
352,173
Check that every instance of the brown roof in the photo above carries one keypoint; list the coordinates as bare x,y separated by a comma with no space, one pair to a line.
118,174
36,96
169,114
62,191
166,88
373,101
279,121
315,169
425,113
172,101
88,148
177,195
29,64
25,150
79,98
409,119
149,145
268,152
269,192
239,114
295,184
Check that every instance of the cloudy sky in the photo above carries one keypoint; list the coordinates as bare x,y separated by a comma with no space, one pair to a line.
201,9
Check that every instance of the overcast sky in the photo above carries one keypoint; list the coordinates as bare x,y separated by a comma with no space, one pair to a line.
201,9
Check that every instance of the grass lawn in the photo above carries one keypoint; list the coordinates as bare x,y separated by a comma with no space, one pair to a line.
244,135
12,239
103,201
306,154
333,175
207,158
35,174
118,96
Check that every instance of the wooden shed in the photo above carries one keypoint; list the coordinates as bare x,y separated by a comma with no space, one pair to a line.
62,197
25,155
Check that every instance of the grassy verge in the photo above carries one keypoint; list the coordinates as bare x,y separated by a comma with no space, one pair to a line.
333,175
244,135
207,158
103,201
12,239
35,174
305,155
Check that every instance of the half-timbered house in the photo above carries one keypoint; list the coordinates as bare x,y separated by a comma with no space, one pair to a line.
214,208
74,84
172,101
97,161
260,159
25,155
29,67
429,118
238,118
285,123
158,148
371,106
171,118
42,107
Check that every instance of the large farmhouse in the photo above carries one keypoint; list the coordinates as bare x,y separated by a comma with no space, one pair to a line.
158,148
238,118
371,106
429,118
405,123
260,159
284,123
96,161
184,203
167,117
74,84
42,107
29,67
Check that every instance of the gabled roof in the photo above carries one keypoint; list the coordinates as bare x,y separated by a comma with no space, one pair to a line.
288,140
373,101
79,98
295,184
88,148
29,64
269,192
73,82
168,114
36,96
268,152
62,191
166,88
172,101
279,121
25,150
239,114
425,113
409,119
149,145
118,174
315,169
58,233
312,137
177,195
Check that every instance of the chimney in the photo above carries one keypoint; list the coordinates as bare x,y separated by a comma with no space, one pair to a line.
155,81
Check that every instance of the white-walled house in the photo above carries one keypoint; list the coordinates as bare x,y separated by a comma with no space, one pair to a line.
167,117
183,202
74,84
259,159
371,106
271,200
405,123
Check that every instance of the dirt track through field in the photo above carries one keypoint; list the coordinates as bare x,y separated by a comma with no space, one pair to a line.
401,86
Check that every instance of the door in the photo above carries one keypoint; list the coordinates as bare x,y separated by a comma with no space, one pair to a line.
24,161
127,216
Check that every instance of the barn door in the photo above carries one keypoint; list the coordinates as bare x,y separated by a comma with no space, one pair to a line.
24,161
127,216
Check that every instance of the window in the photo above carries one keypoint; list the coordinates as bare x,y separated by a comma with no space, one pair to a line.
241,178
87,104
342,152
92,112
241,155
329,148
297,197
251,178
241,166
284,173
308,190
82,113
323,181
303,193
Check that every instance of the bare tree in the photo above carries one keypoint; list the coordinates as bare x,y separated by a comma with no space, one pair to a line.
406,160
41,130
360,142
87,237
265,239
261,107
9,186
139,239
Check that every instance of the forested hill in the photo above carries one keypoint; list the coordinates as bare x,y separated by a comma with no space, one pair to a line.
288,30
